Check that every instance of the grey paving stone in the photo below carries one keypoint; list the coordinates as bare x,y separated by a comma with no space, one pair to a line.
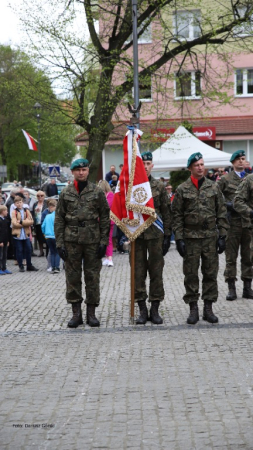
172,387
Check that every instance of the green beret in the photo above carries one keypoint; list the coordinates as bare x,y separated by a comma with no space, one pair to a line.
237,154
81,162
194,158
147,156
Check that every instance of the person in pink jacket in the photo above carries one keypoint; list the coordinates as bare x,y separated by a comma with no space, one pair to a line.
104,185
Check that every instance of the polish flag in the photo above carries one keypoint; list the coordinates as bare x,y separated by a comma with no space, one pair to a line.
30,141
133,206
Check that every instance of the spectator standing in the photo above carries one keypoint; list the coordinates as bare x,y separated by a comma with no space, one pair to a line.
22,221
108,176
38,209
28,199
113,183
210,175
51,188
47,228
10,200
247,167
2,197
109,249
4,239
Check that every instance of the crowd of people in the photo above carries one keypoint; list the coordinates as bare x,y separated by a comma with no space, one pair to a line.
209,213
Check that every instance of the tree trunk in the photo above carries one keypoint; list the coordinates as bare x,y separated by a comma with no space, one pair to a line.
96,145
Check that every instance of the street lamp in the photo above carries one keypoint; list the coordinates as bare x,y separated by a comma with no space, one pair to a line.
37,108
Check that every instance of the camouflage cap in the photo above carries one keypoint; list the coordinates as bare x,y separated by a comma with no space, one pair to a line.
81,162
194,158
147,156
237,154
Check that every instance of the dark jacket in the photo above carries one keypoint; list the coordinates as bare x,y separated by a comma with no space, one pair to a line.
34,207
4,229
51,190
108,176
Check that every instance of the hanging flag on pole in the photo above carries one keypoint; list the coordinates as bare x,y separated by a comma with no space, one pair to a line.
133,206
30,141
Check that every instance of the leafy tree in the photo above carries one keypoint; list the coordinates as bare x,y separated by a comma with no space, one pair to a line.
98,75
21,85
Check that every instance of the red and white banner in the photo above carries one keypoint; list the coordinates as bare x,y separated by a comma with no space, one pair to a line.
202,133
30,141
133,206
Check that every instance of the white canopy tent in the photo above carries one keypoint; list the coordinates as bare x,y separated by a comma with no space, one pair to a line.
174,153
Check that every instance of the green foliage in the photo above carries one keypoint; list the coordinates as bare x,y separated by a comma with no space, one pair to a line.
21,86
178,177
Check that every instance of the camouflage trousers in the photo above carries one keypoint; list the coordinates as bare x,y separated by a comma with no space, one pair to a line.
204,250
149,259
82,256
239,237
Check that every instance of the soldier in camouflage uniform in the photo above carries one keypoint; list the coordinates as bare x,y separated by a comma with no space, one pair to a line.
156,242
243,205
82,224
198,211
239,233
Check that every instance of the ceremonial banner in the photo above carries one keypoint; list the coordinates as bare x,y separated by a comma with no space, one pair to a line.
133,206
30,141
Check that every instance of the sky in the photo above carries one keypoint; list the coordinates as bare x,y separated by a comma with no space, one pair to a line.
10,30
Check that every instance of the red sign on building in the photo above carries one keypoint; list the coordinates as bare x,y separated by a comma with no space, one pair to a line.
202,133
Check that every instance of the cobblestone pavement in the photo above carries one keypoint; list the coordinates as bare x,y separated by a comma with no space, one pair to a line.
122,387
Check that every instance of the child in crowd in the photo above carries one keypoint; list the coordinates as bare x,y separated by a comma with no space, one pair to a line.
48,231
4,239
21,221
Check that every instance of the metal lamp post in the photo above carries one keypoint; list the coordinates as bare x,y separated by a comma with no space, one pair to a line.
37,108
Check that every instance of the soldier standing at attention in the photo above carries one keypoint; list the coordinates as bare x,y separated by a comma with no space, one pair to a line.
243,204
156,242
240,231
198,213
82,225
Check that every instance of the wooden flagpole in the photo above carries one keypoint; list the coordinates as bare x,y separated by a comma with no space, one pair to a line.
134,121
132,282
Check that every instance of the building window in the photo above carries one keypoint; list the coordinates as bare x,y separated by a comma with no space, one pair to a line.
188,85
145,90
246,28
187,24
244,82
145,38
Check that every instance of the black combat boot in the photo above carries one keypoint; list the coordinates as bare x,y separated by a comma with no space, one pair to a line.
247,291
208,312
143,317
194,313
90,317
231,290
77,315
154,315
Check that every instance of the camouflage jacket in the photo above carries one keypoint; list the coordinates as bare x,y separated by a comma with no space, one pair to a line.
82,218
228,185
163,209
243,201
198,213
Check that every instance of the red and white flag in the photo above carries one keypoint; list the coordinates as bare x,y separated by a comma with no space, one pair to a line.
133,206
30,141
